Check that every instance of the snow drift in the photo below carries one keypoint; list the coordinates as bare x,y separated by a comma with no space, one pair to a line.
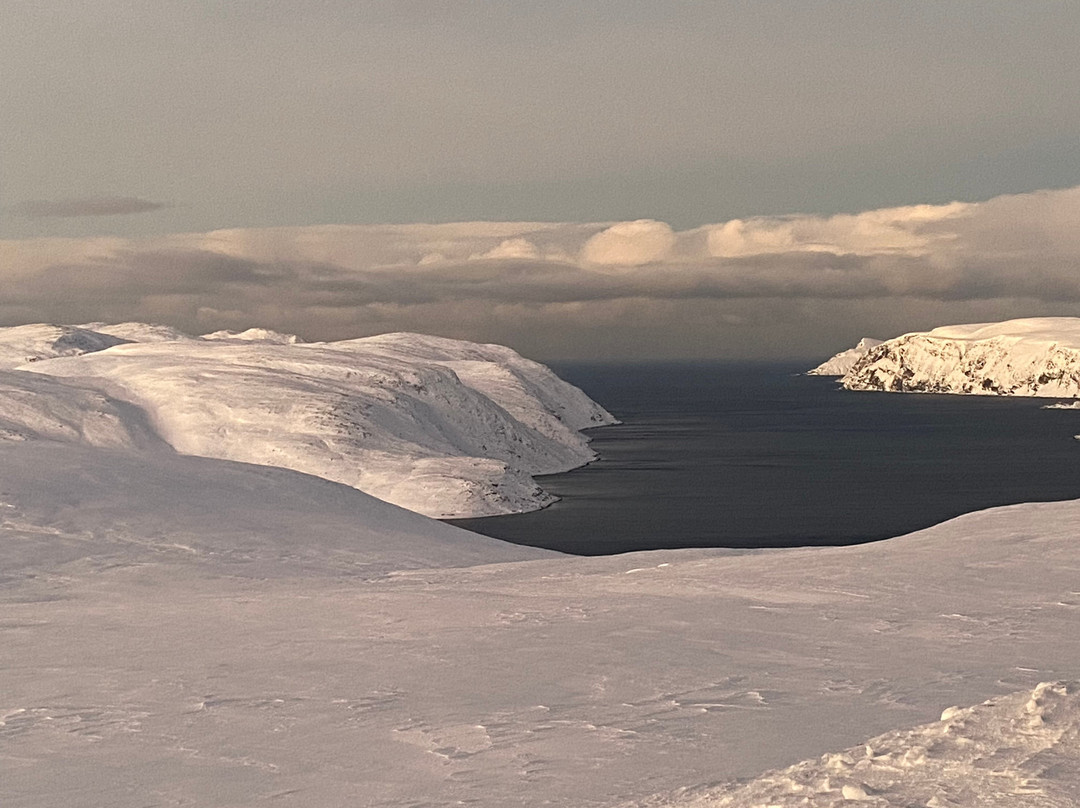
1007,751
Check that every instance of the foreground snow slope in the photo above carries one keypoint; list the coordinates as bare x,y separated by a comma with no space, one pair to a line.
71,509
180,630
1030,357
439,426
1016,750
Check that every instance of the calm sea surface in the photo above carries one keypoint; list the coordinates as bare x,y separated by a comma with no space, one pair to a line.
750,455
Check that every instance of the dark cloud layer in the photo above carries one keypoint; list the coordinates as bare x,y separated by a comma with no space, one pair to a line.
92,206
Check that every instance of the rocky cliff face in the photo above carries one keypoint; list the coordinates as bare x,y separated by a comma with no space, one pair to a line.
1031,357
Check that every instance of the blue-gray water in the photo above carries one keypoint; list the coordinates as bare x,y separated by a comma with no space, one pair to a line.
743,455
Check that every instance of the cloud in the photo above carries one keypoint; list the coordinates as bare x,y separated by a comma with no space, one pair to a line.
89,206
764,286
508,248
630,244
888,231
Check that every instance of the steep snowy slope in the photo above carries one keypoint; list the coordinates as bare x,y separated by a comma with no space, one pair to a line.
1030,357
35,407
527,390
842,362
442,427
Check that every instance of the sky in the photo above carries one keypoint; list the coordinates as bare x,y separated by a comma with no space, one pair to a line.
127,123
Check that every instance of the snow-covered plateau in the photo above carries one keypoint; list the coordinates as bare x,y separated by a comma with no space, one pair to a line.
1029,357
442,427
186,630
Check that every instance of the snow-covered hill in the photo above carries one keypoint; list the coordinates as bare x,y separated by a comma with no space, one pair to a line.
439,426
842,362
1029,357
188,631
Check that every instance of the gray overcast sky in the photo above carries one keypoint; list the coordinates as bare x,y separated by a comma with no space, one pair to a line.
140,118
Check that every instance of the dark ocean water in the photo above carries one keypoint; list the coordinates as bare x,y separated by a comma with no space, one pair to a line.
751,455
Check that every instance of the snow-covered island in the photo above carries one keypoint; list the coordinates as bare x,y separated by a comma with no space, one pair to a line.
1027,357
178,629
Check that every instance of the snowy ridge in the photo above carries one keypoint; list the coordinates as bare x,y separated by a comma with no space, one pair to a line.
1008,751
255,335
1029,357
31,343
139,332
439,426
842,362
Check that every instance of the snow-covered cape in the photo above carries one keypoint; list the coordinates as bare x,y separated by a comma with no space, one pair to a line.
439,426
1028,357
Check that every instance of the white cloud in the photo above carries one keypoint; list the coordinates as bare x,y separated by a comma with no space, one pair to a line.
510,248
897,231
630,244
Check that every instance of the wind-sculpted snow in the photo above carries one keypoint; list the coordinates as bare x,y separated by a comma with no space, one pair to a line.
442,427
1017,750
1031,357
843,362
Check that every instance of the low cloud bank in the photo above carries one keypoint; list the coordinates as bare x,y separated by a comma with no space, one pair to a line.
762,286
